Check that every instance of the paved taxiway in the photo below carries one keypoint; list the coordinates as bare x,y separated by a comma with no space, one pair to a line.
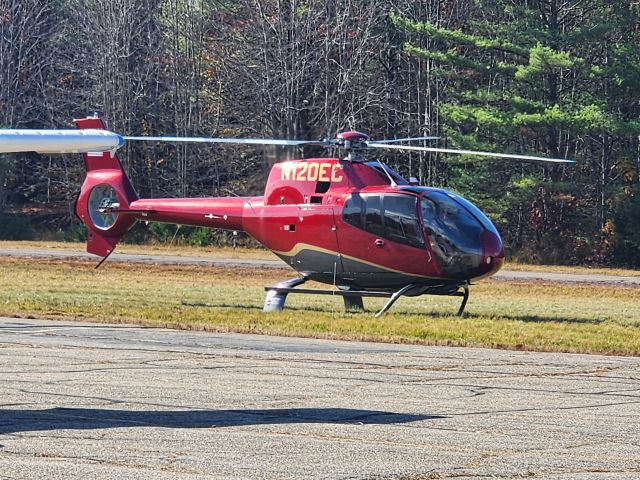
80,400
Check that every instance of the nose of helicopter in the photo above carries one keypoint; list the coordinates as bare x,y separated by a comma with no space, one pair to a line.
492,254
464,242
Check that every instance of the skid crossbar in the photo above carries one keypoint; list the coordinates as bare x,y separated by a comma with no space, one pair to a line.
317,291
392,296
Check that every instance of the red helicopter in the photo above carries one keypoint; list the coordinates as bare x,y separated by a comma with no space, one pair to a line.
354,224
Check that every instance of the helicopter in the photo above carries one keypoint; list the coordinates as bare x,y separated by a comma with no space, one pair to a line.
354,224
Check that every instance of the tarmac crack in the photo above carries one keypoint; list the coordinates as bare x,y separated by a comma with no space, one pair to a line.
543,409
110,462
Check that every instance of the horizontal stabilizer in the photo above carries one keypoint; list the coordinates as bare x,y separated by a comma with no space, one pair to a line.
101,245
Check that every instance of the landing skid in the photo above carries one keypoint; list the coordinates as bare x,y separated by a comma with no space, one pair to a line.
277,295
406,289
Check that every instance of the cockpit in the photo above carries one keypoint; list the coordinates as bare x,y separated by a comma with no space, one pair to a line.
457,235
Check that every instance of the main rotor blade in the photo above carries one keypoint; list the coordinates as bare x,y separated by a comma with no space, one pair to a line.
472,152
59,141
398,140
246,141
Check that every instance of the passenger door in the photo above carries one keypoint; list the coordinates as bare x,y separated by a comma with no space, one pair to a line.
317,242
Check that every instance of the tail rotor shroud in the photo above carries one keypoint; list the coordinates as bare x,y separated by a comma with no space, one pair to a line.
102,206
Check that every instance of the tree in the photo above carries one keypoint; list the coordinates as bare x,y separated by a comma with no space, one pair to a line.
530,76
25,29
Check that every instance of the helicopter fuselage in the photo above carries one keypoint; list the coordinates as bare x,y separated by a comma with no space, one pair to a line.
353,224
343,223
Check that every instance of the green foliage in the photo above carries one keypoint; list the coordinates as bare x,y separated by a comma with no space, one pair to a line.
451,57
162,232
75,233
552,116
473,116
525,105
523,77
457,37
627,228
15,227
593,118
544,60
525,184
166,234
169,234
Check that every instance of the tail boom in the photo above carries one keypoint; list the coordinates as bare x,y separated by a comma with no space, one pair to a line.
215,212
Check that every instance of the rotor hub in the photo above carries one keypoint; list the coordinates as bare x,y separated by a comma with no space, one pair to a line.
352,140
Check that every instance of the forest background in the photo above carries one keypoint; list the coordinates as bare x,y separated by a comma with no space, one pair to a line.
548,77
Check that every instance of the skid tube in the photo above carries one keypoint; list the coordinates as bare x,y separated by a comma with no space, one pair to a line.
277,295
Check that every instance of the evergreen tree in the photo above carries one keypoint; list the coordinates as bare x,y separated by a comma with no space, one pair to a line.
548,77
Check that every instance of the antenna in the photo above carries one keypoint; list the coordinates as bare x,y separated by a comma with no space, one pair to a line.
384,169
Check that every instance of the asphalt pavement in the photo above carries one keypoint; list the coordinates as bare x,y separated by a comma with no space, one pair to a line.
81,400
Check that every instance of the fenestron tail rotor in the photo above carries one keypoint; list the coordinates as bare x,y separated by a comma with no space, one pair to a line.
103,199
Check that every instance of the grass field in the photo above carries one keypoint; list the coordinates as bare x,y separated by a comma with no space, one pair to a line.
514,315
263,254
209,252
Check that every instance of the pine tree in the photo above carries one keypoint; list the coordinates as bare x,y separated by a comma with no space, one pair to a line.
547,77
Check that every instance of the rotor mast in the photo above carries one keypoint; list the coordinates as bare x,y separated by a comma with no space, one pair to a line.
353,142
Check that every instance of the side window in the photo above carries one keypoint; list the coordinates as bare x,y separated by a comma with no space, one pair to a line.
353,210
364,213
373,215
390,216
400,220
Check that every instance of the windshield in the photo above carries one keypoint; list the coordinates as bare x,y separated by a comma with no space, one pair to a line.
476,212
454,233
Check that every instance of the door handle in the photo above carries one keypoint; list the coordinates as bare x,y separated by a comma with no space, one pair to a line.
379,243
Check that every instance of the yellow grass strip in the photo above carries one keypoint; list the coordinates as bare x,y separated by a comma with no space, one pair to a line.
180,250
263,254
532,316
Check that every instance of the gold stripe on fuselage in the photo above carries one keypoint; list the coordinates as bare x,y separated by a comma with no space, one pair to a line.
298,247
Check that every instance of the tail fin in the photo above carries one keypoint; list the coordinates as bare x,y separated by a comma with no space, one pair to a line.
105,193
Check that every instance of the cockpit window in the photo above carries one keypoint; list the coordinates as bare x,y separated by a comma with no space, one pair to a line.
453,232
476,212
400,220
393,217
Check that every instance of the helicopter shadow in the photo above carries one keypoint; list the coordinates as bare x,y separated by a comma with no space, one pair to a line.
253,307
529,318
59,418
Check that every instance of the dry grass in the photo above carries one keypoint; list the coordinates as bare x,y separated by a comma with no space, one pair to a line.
208,252
263,254
534,316
520,267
